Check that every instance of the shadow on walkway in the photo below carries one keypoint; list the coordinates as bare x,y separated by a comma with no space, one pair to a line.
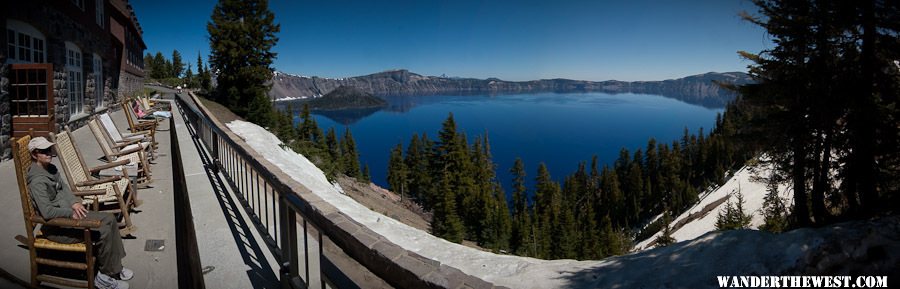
261,274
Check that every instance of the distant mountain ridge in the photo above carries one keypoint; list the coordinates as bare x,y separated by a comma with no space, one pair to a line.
699,89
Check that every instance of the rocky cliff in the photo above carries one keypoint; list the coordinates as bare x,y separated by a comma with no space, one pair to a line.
700,89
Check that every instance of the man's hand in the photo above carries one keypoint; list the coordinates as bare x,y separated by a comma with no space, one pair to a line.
78,211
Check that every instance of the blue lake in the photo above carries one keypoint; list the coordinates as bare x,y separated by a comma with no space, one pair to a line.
558,129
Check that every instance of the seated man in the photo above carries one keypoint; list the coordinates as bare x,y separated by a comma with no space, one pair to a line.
53,199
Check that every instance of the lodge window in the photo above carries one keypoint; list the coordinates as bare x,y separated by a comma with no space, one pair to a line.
74,80
99,12
24,43
98,81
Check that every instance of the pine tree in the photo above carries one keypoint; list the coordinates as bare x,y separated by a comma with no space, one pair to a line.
521,240
419,161
612,240
732,217
307,124
333,146
159,68
477,206
285,127
611,195
634,184
568,233
148,64
350,161
446,223
241,37
590,247
774,211
260,111
366,176
177,64
189,79
199,65
666,238
547,212
499,230
203,81
397,172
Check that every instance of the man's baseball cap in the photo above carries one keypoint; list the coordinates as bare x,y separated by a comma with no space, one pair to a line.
39,143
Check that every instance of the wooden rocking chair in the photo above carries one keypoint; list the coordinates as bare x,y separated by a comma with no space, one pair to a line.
150,107
135,124
41,250
118,137
134,151
120,194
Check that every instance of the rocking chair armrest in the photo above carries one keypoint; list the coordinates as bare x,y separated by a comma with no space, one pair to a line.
100,181
148,122
68,222
82,193
128,151
125,143
109,165
144,125
140,133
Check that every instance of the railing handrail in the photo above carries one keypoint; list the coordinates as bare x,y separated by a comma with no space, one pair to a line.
390,262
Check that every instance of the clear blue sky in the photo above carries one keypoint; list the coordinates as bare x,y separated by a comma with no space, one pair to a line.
508,39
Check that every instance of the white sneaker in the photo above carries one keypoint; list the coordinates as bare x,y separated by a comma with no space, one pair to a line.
103,281
126,274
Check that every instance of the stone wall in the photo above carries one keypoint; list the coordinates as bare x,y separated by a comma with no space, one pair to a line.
5,117
129,85
61,98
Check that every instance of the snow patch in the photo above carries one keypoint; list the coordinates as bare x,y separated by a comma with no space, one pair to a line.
746,180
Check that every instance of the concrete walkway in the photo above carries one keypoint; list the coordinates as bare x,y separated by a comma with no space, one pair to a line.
231,251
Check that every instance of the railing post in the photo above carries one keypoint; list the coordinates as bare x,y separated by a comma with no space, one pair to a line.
288,228
217,165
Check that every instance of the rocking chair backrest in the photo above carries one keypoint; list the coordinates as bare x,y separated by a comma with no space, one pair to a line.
22,159
110,127
129,113
145,104
102,139
70,158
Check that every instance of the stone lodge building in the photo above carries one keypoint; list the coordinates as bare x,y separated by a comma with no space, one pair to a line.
62,61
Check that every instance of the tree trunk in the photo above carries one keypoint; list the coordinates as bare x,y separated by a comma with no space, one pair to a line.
821,184
863,142
801,201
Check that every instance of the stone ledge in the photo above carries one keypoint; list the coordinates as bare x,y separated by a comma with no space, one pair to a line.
367,240
388,250
415,265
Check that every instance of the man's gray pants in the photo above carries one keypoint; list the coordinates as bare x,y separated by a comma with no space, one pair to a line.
110,250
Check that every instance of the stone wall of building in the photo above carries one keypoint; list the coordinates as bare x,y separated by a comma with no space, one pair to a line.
60,97
130,85
60,22
5,116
